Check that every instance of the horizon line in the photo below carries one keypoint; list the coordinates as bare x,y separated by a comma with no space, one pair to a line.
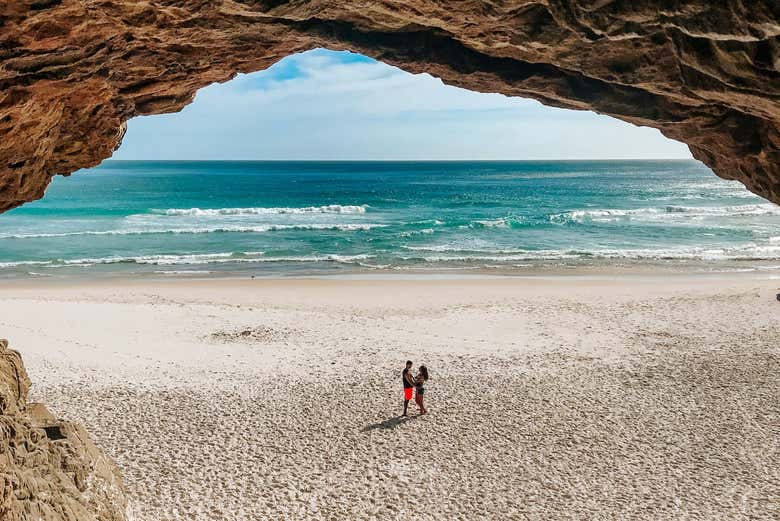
407,160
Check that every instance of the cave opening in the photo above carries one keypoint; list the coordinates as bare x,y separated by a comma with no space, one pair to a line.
329,162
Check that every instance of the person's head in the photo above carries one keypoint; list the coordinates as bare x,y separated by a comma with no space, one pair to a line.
424,372
408,364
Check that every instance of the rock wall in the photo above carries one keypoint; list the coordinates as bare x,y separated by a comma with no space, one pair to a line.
705,72
49,469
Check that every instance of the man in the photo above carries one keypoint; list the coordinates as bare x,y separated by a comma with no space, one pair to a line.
408,385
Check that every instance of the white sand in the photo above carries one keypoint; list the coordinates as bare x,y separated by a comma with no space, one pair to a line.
569,398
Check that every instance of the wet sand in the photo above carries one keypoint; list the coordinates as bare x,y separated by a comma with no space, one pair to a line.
643,398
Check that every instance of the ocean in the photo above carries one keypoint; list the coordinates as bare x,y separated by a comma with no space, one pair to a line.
271,219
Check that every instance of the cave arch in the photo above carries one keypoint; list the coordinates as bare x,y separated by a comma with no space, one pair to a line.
72,73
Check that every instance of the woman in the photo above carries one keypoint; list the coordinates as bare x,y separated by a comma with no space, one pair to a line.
419,385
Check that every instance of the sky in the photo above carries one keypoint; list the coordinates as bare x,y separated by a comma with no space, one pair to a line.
340,106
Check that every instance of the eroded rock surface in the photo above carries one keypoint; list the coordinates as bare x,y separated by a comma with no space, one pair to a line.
49,469
706,73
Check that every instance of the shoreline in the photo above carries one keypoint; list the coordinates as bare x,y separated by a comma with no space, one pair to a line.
636,272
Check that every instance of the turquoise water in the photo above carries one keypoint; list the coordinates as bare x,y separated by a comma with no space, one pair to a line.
297,218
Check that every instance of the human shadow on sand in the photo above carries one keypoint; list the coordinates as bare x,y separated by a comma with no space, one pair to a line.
390,423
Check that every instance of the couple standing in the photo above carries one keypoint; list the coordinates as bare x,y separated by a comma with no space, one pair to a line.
414,383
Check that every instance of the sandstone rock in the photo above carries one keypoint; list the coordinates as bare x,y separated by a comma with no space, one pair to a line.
706,73
49,469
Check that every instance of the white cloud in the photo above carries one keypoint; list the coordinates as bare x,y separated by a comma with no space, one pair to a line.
371,88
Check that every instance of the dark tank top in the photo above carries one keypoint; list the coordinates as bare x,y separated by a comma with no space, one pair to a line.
406,382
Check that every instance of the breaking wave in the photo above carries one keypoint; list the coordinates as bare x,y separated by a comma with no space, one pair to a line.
439,255
218,229
211,212
190,259
751,252
666,212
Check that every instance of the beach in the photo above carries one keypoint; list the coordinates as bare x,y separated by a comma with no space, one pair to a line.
550,397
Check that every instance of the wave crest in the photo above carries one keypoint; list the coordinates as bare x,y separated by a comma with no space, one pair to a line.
189,259
212,212
666,212
220,229
746,252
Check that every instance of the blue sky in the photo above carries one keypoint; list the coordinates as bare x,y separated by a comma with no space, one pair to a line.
339,105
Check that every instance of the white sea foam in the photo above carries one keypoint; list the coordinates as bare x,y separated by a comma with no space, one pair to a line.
500,222
444,248
490,223
161,260
192,259
433,255
433,222
424,231
735,210
751,252
205,258
211,229
182,272
211,212
665,212
23,263
733,194
473,257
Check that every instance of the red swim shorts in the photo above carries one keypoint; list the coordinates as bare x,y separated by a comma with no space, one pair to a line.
408,393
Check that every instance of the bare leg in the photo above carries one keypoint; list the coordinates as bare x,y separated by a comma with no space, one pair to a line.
406,406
